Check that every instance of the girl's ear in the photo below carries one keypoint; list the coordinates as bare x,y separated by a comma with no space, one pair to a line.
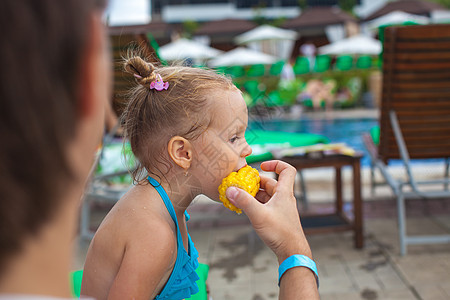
180,150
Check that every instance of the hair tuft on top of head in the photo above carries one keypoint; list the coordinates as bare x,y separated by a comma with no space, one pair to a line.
142,71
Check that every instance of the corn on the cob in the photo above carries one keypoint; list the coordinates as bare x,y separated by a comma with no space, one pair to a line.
247,178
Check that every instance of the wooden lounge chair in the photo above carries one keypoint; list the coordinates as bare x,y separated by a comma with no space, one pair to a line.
415,114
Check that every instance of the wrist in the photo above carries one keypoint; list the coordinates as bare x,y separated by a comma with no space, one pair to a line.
301,248
297,260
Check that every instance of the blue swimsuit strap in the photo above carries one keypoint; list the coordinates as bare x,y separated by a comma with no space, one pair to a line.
166,201
179,287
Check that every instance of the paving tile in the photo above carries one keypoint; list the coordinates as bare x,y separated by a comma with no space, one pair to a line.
229,276
435,292
265,268
268,279
203,241
231,292
398,294
388,278
337,284
423,268
265,289
365,280
446,288
371,294
327,296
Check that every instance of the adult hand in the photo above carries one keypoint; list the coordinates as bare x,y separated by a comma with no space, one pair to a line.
274,216
273,212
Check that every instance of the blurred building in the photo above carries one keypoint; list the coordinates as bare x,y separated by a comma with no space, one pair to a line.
218,22
320,25
416,7
173,11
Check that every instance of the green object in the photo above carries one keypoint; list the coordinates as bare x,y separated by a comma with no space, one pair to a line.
221,70
364,62
322,63
235,71
262,139
354,88
256,70
200,66
252,88
155,47
344,63
248,99
308,103
274,99
276,68
289,90
202,272
375,134
75,282
301,65
259,157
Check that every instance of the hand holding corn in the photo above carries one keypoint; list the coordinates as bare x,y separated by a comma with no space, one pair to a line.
274,216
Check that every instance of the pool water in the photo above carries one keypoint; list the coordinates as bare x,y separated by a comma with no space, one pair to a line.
348,131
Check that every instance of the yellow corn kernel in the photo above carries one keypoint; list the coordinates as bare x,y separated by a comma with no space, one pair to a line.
247,178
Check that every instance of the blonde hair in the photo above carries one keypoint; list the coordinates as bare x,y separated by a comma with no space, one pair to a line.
152,117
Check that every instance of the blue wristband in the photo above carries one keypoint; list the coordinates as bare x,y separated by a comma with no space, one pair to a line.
297,260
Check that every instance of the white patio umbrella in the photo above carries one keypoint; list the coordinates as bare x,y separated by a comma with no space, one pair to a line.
241,57
184,48
265,32
396,18
440,16
358,44
269,39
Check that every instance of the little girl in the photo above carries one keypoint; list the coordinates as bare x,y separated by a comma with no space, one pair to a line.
186,128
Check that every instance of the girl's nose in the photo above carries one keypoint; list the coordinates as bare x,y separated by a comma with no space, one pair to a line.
247,150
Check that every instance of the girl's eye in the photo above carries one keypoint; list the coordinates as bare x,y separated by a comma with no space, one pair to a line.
234,139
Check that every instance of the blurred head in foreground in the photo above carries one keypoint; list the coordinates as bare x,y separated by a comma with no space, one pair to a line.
54,82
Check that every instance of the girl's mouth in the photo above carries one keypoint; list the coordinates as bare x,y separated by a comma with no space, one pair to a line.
241,167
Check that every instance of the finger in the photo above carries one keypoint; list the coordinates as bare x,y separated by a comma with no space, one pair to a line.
244,201
268,184
285,171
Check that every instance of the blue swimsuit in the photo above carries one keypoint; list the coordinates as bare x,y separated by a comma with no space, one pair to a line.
182,282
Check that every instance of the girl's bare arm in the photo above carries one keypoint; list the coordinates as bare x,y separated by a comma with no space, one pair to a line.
148,260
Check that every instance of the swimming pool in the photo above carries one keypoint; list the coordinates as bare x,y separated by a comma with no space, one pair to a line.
347,131
339,130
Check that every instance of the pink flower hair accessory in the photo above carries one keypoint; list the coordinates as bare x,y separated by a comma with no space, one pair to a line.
158,84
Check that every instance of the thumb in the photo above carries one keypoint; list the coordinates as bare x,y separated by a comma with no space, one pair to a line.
244,201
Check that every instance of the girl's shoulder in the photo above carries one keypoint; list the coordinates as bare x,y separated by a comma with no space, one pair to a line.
141,210
139,200
138,212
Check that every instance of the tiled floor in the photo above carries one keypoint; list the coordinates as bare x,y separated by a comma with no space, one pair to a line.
241,267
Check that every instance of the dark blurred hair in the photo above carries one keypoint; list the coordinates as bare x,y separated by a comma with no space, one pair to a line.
41,51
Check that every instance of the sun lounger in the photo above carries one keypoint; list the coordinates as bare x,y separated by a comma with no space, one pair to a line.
415,115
